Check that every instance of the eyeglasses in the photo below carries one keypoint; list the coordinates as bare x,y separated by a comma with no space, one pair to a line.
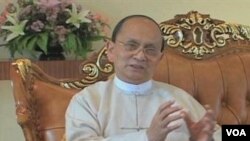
133,47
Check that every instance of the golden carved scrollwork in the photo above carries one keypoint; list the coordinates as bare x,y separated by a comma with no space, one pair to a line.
108,67
93,70
198,34
222,32
23,66
26,107
22,111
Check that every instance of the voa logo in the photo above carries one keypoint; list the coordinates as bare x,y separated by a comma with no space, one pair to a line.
236,132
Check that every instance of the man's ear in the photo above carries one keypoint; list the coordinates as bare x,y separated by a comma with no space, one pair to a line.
110,50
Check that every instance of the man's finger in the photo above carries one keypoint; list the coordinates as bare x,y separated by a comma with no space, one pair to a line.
187,117
165,105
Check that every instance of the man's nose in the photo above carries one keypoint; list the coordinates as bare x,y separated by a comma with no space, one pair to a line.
140,54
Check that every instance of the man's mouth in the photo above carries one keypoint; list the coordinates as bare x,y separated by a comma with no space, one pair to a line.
137,66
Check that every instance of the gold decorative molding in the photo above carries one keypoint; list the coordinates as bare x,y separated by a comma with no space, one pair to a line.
26,111
97,68
23,66
92,71
198,34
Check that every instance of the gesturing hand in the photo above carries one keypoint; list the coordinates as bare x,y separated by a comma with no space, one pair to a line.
204,128
160,125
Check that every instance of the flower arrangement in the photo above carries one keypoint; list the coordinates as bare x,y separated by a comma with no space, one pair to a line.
31,24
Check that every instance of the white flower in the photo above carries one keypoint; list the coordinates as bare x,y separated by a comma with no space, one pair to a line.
77,18
16,29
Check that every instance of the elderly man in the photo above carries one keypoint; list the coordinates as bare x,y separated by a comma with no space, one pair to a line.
131,106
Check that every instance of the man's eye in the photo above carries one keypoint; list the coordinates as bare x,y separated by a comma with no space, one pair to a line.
132,46
151,51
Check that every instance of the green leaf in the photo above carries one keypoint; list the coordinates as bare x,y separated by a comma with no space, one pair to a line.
83,50
42,41
12,49
79,42
23,41
16,44
71,43
31,43
83,53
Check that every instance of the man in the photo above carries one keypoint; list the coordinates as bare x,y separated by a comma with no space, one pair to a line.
131,106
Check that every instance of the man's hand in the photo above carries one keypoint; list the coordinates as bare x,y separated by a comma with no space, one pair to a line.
202,130
160,125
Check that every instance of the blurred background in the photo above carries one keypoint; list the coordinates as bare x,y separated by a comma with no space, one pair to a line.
231,11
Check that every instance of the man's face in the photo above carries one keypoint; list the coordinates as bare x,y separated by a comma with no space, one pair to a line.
136,51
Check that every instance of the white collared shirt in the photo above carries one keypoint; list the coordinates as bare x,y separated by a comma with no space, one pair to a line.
133,89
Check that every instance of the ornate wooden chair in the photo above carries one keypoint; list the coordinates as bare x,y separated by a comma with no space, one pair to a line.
208,58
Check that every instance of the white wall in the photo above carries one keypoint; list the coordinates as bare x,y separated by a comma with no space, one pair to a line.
230,10
9,129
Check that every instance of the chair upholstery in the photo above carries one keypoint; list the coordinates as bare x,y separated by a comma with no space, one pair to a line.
208,58
41,100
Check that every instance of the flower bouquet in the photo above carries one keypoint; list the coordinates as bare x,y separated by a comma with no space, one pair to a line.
31,24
